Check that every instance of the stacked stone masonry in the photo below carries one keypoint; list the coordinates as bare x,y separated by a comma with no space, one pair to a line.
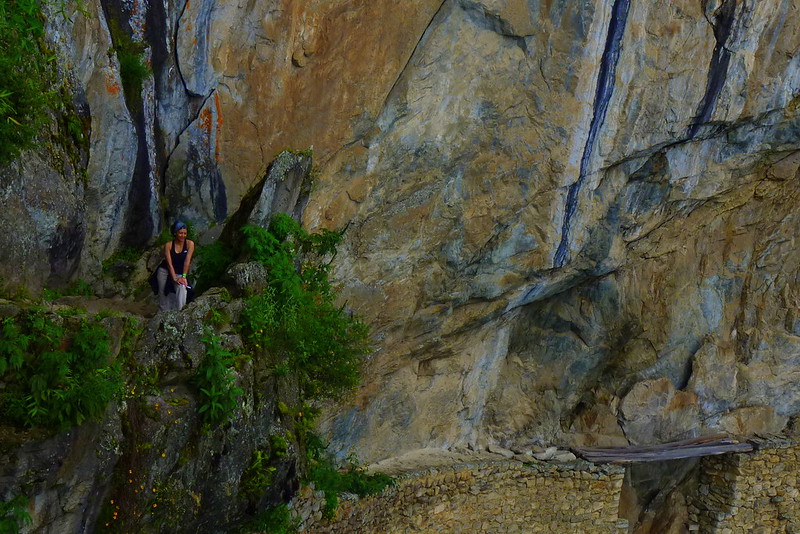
487,497
750,493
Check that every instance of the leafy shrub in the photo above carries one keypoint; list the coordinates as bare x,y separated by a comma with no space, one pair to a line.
132,71
295,318
55,378
277,520
26,75
14,514
215,381
258,475
333,481
216,318
212,262
278,445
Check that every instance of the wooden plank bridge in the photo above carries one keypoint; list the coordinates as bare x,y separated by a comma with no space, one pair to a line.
689,448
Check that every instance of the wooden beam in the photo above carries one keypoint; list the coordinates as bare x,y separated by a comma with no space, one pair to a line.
691,448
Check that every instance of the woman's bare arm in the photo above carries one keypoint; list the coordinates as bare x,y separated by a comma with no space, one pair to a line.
189,251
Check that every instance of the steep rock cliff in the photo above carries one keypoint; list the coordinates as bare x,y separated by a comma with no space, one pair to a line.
566,222
576,226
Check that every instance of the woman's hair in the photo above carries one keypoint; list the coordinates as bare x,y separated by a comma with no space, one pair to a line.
179,225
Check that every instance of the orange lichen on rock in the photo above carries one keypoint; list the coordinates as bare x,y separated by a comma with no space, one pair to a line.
113,87
205,121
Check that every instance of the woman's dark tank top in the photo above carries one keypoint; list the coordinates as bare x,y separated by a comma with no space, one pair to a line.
178,258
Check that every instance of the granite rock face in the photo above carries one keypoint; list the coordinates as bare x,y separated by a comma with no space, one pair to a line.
44,221
563,219
572,203
292,74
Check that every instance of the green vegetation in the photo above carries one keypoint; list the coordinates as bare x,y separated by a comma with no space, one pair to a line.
307,152
139,380
277,520
130,334
55,376
133,69
295,319
119,266
333,481
296,329
32,100
215,381
78,288
321,468
133,72
74,132
14,515
26,75
258,475
260,472
212,262
165,236
278,445
296,322
13,291
216,318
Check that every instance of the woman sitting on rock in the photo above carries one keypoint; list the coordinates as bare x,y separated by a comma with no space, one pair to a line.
177,258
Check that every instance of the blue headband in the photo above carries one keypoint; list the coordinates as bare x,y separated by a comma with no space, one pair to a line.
179,225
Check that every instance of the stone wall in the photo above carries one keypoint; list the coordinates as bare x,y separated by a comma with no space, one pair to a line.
756,492
501,496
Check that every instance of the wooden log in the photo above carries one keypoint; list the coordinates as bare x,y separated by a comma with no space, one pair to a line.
666,453
713,439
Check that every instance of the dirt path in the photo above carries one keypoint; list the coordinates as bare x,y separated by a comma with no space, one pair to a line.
425,458
97,305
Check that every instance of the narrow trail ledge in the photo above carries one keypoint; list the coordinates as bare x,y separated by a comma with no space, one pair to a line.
469,491
145,309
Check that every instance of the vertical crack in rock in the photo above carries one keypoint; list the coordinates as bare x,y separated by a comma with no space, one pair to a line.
198,76
65,250
201,177
175,41
139,224
718,68
139,221
605,88
161,56
422,37
193,118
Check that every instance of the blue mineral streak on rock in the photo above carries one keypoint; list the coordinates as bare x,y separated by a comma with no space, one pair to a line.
718,69
605,88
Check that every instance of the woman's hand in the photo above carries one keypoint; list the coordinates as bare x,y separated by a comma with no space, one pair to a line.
182,281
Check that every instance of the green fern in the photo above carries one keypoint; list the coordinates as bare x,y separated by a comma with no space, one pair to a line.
215,381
